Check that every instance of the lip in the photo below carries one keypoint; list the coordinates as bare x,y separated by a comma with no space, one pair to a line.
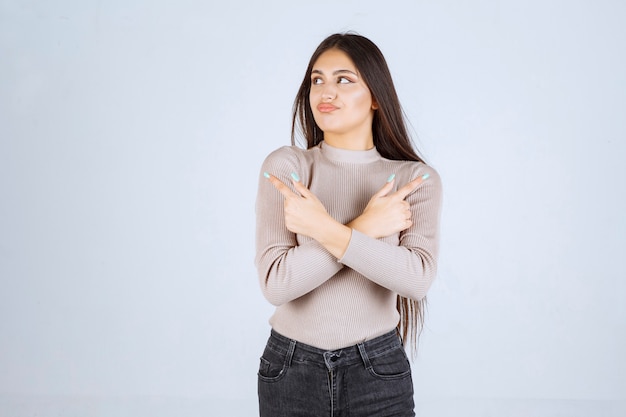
326,108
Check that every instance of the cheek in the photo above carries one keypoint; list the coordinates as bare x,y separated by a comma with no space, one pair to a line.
363,98
313,101
314,92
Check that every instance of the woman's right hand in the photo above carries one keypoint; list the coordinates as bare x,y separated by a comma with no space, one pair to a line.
385,213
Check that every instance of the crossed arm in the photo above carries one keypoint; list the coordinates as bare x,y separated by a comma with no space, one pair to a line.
301,246
386,213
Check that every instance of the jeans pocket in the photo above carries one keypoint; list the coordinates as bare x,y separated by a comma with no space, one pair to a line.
272,366
392,364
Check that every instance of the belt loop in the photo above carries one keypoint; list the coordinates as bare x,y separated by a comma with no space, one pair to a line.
292,348
366,359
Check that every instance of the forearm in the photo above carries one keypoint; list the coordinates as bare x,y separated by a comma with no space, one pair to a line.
406,271
286,273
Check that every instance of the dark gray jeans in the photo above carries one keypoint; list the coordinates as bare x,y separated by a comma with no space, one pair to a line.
371,379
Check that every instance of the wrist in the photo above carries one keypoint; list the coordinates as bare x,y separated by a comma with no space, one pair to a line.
334,236
361,224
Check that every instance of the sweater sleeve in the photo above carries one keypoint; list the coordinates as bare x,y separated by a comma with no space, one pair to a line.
288,266
410,267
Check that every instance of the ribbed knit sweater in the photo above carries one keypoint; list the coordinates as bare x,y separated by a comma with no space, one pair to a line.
332,303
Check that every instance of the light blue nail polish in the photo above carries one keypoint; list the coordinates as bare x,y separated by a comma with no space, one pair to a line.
295,176
266,175
425,176
391,177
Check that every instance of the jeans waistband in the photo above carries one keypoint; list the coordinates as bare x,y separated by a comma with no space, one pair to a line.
360,352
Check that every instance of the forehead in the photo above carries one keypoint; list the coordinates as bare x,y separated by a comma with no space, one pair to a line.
332,60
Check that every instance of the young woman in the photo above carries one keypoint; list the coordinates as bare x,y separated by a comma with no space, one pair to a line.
347,241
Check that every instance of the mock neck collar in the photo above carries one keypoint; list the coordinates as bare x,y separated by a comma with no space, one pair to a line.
346,155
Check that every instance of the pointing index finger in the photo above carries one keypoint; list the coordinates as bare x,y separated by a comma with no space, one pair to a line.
279,185
411,186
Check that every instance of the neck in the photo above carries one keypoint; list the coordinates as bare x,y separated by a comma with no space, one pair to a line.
350,142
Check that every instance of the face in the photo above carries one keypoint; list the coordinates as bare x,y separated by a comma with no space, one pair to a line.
341,103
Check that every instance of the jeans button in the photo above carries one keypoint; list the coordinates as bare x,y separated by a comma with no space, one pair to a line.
334,358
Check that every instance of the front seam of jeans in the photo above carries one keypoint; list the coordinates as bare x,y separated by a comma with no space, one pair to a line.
331,392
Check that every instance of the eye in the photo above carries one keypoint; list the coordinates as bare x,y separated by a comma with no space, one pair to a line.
343,80
316,81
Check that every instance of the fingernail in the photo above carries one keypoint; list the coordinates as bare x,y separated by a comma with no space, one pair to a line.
266,175
425,176
295,176
391,177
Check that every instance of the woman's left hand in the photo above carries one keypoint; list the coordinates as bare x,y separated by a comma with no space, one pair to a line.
304,213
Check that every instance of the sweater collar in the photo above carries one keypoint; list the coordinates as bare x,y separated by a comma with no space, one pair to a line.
346,155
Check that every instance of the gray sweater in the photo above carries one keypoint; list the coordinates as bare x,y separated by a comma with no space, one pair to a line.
332,303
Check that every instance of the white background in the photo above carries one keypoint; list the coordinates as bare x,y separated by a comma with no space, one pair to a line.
131,136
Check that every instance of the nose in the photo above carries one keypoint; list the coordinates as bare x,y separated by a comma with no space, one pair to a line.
329,92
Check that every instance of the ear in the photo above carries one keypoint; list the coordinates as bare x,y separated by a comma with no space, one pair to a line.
374,104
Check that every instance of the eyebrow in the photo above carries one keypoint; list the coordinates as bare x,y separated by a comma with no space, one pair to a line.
315,71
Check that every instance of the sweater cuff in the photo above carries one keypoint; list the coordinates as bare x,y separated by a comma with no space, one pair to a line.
357,244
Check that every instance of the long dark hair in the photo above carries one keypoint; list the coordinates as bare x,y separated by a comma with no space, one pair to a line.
389,130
